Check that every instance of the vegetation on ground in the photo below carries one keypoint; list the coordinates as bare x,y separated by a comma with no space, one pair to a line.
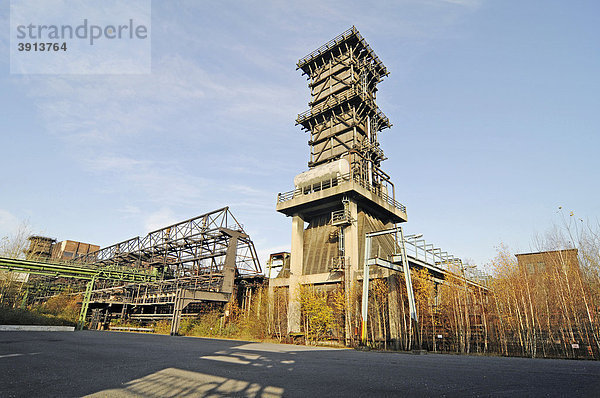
250,323
61,310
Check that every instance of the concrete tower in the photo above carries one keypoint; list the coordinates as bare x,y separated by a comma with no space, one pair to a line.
344,194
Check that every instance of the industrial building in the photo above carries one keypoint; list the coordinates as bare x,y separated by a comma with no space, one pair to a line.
43,247
539,263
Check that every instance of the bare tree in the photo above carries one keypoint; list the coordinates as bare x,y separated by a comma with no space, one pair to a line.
15,245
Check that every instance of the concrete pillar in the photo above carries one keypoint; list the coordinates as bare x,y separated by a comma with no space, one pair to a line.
353,264
270,306
351,242
394,308
296,262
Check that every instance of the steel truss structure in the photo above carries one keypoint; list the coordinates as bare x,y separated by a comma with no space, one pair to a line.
194,247
197,260
344,118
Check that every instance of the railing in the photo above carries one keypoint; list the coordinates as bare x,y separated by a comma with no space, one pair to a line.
338,263
339,217
347,95
326,184
285,196
419,249
340,39
421,253
130,329
429,254
330,103
379,192
327,46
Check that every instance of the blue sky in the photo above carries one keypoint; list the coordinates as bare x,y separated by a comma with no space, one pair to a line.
495,107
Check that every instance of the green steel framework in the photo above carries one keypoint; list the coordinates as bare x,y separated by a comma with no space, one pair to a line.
77,272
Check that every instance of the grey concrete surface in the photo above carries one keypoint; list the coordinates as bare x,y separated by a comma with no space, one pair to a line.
112,364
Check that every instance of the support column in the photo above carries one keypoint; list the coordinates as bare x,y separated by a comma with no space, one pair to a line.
352,265
230,266
394,309
177,308
85,303
365,293
270,306
296,262
351,241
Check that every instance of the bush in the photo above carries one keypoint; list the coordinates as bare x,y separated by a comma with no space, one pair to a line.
210,324
61,310
126,323
18,316
207,325
63,306
163,327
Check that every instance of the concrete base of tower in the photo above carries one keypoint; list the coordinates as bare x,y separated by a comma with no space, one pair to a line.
329,255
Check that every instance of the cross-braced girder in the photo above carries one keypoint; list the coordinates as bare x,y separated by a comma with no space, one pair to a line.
193,247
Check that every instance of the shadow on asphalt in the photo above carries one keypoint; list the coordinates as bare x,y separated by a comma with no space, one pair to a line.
172,382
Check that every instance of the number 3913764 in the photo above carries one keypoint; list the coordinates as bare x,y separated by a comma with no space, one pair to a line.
42,47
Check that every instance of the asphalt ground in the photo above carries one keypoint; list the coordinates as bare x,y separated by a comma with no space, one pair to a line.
110,364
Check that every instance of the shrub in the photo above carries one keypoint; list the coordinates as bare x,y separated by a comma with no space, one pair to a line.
18,316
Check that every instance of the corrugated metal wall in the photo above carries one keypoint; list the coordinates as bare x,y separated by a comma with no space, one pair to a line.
321,242
382,246
319,247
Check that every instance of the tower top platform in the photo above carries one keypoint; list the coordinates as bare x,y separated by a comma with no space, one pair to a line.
351,38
